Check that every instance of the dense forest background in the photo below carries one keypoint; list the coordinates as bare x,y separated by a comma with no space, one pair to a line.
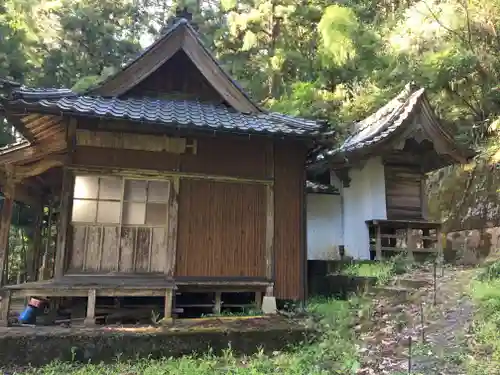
333,60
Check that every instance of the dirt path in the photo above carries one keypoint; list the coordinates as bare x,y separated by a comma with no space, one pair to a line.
385,338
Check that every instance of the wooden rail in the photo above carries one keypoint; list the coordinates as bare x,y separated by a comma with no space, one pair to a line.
400,236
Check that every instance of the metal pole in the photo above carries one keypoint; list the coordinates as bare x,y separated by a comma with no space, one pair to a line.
422,321
435,282
409,355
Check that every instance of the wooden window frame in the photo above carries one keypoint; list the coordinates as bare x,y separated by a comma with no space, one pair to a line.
167,225
123,201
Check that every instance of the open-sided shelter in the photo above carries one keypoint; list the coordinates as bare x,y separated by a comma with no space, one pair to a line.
166,177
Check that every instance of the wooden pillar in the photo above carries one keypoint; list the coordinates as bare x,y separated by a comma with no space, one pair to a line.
167,315
258,300
439,245
4,308
218,303
378,242
410,243
37,245
270,271
66,204
5,221
64,218
173,211
91,299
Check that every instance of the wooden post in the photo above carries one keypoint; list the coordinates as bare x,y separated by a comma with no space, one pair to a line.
218,303
91,299
5,221
167,315
258,300
439,246
270,232
410,243
66,203
378,243
4,309
64,218
37,245
173,214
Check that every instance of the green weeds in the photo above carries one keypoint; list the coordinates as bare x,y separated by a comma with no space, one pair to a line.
485,291
333,353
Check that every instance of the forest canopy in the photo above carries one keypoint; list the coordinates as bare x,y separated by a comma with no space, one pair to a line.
336,61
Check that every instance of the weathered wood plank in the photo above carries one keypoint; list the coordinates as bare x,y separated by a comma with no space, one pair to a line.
109,260
127,249
142,250
79,247
93,248
159,250
173,214
146,142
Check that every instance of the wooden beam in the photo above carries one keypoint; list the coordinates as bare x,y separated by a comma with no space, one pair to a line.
28,153
39,167
149,173
5,221
173,213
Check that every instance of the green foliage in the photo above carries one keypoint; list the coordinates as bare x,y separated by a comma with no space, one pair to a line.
486,295
490,272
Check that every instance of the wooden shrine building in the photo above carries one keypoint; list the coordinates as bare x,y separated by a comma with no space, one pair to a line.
168,180
380,173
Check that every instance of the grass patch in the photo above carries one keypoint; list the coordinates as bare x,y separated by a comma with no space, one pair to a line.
333,353
383,271
485,291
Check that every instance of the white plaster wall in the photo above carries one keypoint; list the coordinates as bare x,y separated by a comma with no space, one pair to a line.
324,226
363,200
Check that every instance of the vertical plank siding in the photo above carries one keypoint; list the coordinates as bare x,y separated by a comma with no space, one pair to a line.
403,192
95,249
288,240
221,229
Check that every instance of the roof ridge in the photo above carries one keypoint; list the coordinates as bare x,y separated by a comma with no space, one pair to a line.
407,91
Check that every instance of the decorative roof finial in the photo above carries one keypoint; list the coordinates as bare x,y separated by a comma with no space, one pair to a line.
180,14
183,13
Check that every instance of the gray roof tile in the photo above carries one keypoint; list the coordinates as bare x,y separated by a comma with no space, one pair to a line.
378,126
167,112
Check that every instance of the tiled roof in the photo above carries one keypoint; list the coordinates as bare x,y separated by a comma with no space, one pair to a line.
168,112
315,187
378,126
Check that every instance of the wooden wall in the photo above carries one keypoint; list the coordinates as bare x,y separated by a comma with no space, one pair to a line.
177,78
404,194
221,229
225,156
289,220
222,224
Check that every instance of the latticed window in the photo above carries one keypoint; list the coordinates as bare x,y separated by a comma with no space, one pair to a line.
118,200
